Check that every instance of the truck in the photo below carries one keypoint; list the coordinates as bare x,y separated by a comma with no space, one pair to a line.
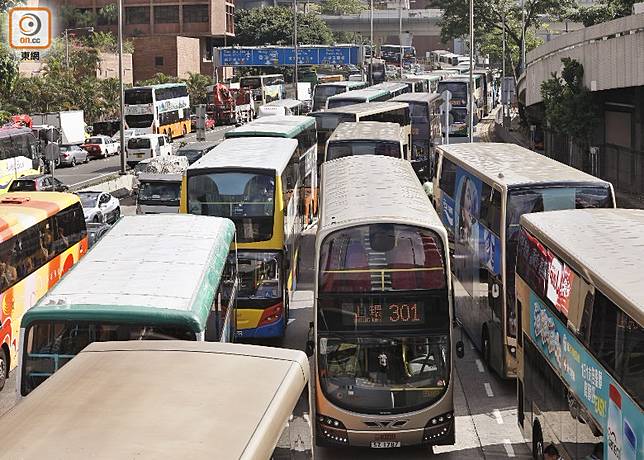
228,105
158,184
70,124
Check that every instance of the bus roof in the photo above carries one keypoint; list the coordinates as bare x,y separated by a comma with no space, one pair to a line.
366,94
367,131
151,177
262,75
347,84
373,188
510,165
21,210
12,131
416,97
605,246
160,269
364,108
290,103
249,152
159,86
160,399
287,126
389,86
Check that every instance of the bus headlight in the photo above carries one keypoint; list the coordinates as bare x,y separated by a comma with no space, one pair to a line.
438,427
332,429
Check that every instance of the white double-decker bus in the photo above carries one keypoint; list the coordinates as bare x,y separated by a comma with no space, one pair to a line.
158,109
383,329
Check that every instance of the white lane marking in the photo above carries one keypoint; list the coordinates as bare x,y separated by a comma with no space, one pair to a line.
508,447
497,416
479,365
488,390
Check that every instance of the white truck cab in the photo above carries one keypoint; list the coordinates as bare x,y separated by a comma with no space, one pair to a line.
147,146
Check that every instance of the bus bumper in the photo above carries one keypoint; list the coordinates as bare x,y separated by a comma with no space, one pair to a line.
275,329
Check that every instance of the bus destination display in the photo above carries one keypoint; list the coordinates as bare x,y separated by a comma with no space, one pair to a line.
374,315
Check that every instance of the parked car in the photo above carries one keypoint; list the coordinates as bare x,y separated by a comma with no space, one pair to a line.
95,231
101,146
100,207
196,150
210,123
37,183
70,155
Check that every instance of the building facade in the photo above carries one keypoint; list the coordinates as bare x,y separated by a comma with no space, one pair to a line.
170,36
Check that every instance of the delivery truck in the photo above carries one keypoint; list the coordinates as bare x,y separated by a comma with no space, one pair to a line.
70,124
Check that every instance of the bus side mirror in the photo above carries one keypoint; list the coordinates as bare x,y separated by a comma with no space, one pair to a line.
460,349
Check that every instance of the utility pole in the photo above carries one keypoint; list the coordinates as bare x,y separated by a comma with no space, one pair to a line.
295,78
503,70
121,96
400,36
522,35
471,88
372,47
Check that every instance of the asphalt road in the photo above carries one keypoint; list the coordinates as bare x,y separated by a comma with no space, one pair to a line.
96,168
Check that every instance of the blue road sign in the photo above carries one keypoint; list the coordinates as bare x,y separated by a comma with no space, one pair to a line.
281,55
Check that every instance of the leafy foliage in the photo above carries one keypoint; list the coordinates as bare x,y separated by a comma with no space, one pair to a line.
488,20
604,10
340,7
568,104
274,25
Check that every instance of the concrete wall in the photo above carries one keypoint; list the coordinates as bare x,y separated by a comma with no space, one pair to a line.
108,67
188,56
611,54
180,55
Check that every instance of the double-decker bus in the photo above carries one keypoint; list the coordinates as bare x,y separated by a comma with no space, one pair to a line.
326,122
153,277
19,155
391,54
580,349
163,399
42,235
480,192
425,113
254,181
263,88
382,329
323,91
158,109
303,130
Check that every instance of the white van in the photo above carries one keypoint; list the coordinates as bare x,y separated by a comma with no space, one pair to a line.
147,146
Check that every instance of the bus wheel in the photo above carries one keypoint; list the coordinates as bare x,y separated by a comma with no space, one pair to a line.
4,367
485,346
537,442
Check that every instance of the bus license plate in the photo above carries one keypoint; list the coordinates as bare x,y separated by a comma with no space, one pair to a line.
384,444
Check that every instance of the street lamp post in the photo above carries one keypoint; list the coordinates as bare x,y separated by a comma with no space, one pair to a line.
295,79
522,36
372,50
400,36
471,89
121,99
66,33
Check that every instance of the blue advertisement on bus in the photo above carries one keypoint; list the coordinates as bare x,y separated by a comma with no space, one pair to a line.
619,416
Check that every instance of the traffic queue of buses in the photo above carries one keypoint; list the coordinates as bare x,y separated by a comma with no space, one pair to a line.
529,255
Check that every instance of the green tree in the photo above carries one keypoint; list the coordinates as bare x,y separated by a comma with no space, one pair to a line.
568,104
274,26
489,19
158,79
197,84
8,72
341,7
75,17
107,42
602,11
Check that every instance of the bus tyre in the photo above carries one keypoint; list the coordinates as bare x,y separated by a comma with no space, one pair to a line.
4,367
537,442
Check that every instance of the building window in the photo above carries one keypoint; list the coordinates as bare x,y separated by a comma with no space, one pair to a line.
230,19
166,15
195,13
158,61
137,15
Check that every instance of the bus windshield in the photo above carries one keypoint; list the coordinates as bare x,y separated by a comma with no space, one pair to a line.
246,198
259,275
251,82
322,93
418,111
353,148
458,90
335,103
137,96
327,121
51,344
159,192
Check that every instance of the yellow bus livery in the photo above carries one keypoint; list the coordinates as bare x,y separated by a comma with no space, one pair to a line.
42,235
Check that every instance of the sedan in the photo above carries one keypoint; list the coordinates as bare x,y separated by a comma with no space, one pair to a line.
100,207
101,146
71,155
95,232
37,183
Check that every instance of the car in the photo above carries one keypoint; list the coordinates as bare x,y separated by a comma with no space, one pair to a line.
100,207
37,183
95,231
71,155
210,123
101,146
196,150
